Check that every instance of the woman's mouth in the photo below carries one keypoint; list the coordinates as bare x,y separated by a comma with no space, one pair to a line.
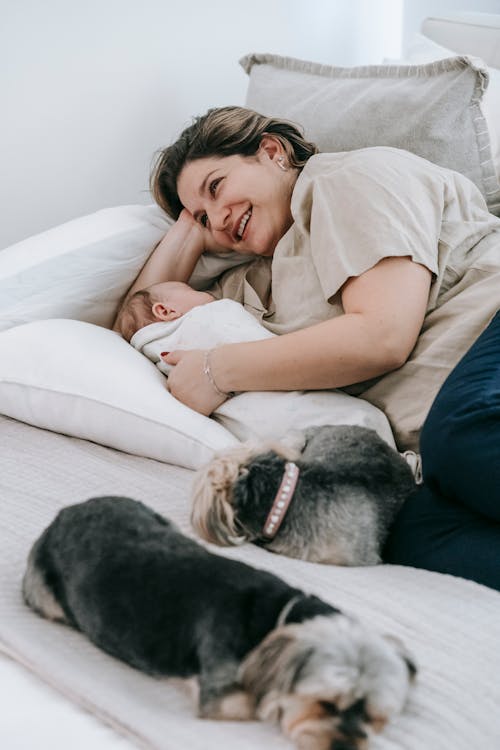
243,223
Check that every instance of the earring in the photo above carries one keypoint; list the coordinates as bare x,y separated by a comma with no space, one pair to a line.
281,163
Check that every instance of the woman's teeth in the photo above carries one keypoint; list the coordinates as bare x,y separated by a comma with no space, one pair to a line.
243,223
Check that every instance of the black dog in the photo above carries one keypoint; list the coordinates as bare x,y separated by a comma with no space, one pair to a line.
328,494
143,592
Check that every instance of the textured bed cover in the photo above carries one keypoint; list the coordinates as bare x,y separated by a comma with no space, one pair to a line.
452,626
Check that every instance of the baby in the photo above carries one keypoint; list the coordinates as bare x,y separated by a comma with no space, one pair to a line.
172,315
248,284
161,302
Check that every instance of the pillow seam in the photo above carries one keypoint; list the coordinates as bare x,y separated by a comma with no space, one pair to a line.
295,65
102,403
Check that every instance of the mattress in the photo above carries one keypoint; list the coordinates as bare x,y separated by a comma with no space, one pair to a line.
450,625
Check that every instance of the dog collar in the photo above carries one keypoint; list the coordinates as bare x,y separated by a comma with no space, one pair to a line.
287,609
282,500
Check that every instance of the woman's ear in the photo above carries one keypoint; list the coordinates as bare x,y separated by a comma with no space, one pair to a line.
271,146
161,312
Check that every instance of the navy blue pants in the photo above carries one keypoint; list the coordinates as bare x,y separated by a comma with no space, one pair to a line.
452,523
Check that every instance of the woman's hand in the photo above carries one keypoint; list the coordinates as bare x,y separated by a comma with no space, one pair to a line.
188,382
206,239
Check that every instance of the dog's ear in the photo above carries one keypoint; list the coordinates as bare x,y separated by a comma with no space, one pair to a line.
212,514
405,654
272,669
265,668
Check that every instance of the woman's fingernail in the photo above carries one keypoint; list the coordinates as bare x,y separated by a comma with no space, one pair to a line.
164,354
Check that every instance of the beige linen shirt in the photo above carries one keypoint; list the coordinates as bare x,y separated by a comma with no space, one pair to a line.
352,209
249,284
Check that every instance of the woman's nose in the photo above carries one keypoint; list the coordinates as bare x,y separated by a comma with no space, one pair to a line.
219,218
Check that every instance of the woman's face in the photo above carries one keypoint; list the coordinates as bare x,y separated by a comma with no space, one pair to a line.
243,201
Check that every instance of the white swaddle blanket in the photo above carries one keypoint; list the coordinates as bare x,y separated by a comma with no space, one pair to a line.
262,414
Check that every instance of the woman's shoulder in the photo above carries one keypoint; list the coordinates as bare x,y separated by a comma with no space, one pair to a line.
362,159
363,171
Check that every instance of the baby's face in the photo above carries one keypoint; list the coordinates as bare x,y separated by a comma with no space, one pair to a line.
173,299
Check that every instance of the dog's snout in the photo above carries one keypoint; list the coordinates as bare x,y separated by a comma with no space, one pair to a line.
347,744
330,708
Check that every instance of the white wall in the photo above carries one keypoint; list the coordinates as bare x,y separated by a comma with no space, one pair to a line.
91,88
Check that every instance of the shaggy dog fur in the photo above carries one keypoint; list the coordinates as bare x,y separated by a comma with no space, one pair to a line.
350,487
143,592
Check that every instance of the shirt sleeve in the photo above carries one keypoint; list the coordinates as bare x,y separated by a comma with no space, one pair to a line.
377,203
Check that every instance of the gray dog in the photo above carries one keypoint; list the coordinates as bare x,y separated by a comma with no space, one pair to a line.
143,592
326,495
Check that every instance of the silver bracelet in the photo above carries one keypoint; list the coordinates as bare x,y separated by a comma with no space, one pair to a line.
207,370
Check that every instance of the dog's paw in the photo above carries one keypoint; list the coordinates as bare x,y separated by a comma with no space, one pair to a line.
236,705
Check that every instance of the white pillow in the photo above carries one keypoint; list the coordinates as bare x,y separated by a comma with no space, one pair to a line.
271,414
86,381
79,269
82,269
82,380
423,50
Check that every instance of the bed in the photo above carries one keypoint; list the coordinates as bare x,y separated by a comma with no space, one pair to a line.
61,445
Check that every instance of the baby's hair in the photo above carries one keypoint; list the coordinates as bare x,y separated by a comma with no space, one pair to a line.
136,313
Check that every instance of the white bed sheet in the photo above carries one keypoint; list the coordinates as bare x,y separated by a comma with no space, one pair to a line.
36,717
449,624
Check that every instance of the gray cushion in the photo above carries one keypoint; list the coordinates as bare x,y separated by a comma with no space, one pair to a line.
432,110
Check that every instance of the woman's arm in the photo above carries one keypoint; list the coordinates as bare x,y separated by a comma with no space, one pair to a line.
175,257
384,311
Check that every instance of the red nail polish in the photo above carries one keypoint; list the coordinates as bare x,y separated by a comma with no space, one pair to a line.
164,354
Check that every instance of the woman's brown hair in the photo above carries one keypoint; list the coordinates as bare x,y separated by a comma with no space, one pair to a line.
224,131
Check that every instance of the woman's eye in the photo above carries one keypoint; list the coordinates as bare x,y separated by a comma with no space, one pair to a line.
213,186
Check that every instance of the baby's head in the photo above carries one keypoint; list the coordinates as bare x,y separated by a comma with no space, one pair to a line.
159,302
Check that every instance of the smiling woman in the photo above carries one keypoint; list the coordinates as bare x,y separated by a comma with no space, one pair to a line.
243,201
385,271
